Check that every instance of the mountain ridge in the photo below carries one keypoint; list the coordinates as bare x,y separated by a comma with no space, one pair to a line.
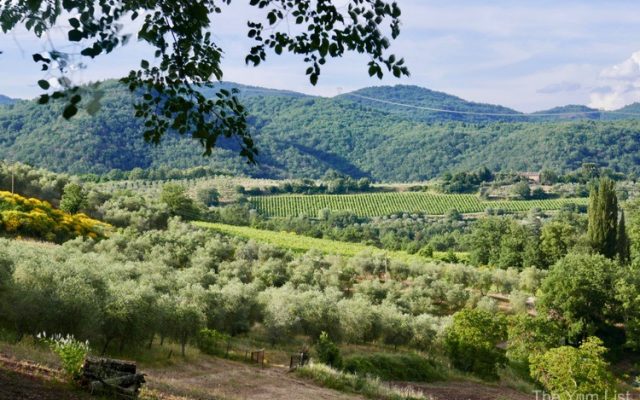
302,136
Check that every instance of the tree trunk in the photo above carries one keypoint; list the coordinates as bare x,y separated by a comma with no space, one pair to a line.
106,344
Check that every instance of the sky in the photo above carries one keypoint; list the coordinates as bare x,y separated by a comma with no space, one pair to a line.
527,55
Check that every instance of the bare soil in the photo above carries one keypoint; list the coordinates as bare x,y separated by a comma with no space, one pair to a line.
25,381
217,378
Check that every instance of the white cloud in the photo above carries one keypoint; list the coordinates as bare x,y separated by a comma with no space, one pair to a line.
618,85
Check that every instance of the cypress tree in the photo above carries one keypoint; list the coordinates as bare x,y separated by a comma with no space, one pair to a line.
624,246
603,218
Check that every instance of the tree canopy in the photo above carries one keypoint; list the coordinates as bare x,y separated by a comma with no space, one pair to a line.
187,58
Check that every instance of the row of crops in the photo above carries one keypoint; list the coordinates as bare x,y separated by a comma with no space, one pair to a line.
378,204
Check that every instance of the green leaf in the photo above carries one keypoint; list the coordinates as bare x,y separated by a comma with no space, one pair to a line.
75,35
44,84
69,111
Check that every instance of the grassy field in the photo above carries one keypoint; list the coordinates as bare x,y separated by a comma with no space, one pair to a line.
299,243
379,204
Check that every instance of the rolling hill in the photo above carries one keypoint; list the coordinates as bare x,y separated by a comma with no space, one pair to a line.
4,100
305,136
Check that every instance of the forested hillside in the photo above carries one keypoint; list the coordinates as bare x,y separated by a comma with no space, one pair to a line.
6,100
304,136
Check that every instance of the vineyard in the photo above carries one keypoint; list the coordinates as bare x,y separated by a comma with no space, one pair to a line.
299,243
379,204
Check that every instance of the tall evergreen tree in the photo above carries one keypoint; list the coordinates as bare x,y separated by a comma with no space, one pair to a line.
623,244
603,218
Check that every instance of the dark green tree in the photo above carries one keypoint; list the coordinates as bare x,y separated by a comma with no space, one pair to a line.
472,342
623,244
177,201
328,352
209,196
74,198
580,292
603,218
187,58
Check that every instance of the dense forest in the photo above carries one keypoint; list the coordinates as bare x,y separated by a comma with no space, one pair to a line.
303,136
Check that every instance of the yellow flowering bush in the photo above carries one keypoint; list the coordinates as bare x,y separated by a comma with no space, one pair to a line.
34,218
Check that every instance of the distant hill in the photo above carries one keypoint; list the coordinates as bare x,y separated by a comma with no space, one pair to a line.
305,136
569,112
396,98
250,91
6,100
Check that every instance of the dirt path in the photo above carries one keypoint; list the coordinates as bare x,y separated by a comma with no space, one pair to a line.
218,378
24,381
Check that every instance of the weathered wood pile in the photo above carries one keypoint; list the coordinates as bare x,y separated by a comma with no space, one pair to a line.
112,377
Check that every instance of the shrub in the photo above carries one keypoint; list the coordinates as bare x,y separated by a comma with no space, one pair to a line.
580,290
568,373
394,367
352,383
426,251
531,335
327,351
71,352
471,342
212,342
38,219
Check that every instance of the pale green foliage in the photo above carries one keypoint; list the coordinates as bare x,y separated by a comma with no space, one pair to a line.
424,331
124,291
346,382
530,279
396,326
487,304
518,301
359,322
569,372
71,352
188,315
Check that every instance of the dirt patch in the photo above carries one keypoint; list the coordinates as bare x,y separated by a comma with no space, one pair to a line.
467,391
217,378
25,386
